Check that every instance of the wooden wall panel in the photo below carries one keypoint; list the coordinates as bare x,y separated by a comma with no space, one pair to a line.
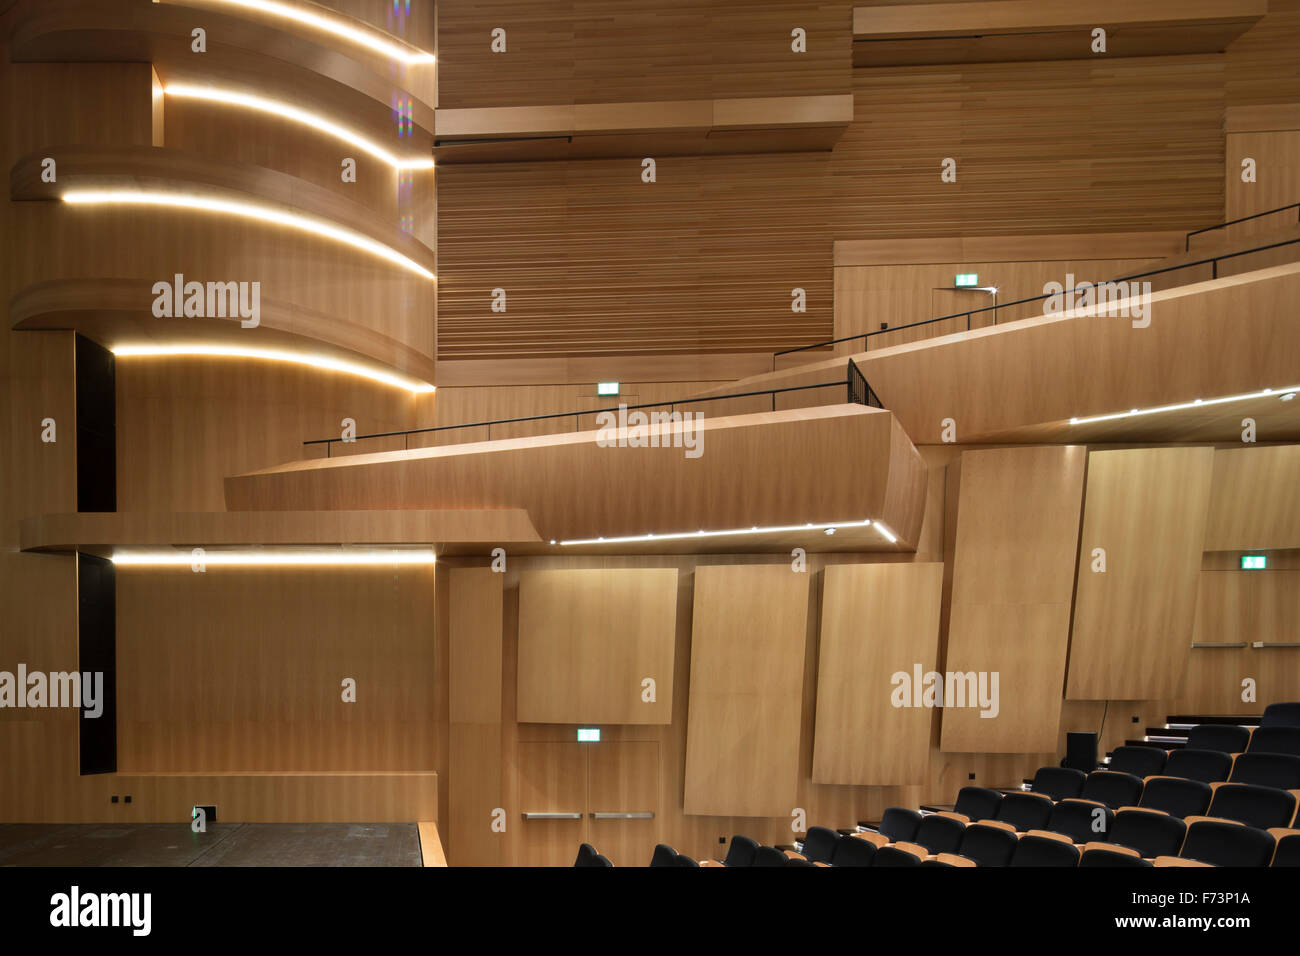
1260,64
589,639
1017,536
596,262
747,657
240,669
552,778
1248,606
611,51
877,620
1133,623
1253,501
474,707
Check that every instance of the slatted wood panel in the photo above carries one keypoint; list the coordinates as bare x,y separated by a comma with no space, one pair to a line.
609,51
1146,507
1017,533
1261,64
877,620
595,262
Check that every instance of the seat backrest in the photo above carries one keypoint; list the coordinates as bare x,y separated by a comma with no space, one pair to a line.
1267,769
1227,844
1285,714
1275,740
940,834
664,855
1110,858
1225,738
1206,766
819,844
1176,796
851,851
1113,789
1139,761
1024,811
1254,806
987,846
900,824
1150,833
977,803
892,856
586,855
741,852
1058,782
1081,821
1041,851
683,860
769,856
601,861
1288,851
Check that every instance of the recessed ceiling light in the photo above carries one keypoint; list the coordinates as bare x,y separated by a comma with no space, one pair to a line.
268,557
1180,405
829,527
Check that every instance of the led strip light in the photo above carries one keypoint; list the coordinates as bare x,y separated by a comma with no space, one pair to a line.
316,227
371,39
279,355
286,558
1197,403
827,526
292,113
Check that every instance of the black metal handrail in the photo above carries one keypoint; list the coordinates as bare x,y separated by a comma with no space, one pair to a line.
859,392
1212,260
1187,242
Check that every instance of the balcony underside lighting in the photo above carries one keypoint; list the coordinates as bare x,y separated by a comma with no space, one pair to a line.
322,362
1195,403
268,557
292,113
267,214
826,527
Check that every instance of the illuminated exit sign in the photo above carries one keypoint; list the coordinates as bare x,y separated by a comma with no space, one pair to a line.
588,735
964,279
1253,562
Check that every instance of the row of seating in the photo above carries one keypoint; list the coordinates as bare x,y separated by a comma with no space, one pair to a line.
1208,766
1235,739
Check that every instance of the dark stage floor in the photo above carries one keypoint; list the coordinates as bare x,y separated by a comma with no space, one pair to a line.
224,844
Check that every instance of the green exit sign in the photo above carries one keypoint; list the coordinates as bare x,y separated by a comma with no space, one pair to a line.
607,388
966,279
1253,562
588,735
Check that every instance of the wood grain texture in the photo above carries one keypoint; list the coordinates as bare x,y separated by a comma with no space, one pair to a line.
1248,606
876,620
475,691
1017,537
1133,623
747,656
1253,504
587,642
431,851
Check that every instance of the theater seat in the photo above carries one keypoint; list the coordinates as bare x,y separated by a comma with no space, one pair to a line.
586,856
1224,738
939,834
769,856
1139,761
1025,811
684,860
1058,782
1288,851
893,856
1038,849
819,844
1151,833
741,852
1254,806
898,823
1281,715
1227,844
1080,821
1275,740
664,855
1176,796
1207,766
987,846
1267,769
1113,789
977,803
1103,857
853,851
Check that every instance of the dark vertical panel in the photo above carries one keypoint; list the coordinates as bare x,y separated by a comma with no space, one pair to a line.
97,652
96,428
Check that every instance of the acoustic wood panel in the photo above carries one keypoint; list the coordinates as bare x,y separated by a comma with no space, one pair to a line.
588,641
1253,502
596,262
1146,507
623,777
1259,63
614,51
747,658
551,778
474,689
877,620
1017,536
1250,606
